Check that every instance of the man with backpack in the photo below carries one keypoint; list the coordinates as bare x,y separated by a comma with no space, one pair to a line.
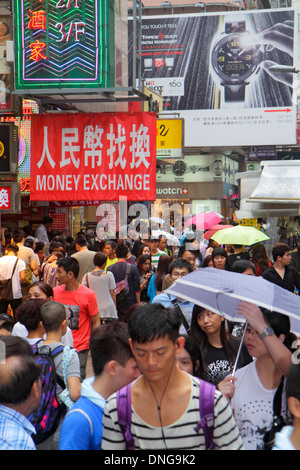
170,408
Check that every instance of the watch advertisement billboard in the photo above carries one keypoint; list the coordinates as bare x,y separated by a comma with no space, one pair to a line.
217,70
88,157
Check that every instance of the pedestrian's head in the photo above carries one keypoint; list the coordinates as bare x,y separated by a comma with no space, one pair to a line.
189,359
100,259
54,317
178,268
244,266
47,221
67,269
122,251
29,314
19,374
219,258
162,242
281,251
144,249
110,349
80,241
18,236
40,290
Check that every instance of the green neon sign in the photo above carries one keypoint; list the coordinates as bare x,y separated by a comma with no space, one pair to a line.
62,43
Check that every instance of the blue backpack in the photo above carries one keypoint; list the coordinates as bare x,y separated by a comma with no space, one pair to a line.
46,417
206,409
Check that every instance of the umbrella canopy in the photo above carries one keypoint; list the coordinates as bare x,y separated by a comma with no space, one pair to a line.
172,239
221,292
158,220
239,235
204,220
215,229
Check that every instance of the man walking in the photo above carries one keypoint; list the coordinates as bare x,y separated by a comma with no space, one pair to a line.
11,267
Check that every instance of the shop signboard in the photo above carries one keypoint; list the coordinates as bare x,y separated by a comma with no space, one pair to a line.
215,70
169,138
89,157
61,44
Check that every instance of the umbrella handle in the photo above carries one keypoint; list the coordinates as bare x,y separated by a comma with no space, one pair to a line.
239,350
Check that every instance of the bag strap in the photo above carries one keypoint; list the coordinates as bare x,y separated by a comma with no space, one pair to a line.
184,321
124,414
15,267
86,415
128,268
207,415
277,399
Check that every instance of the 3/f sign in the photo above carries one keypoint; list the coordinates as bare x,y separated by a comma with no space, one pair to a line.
75,30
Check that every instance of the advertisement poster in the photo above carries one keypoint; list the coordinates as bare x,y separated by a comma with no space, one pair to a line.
216,70
88,157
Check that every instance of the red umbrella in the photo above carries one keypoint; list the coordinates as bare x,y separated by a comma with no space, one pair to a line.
215,229
204,220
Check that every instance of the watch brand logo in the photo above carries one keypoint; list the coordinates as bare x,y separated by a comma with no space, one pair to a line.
162,191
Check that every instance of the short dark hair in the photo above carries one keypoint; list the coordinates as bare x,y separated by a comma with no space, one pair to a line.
279,249
80,240
29,313
241,265
153,321
293,381
99,259
47,220
219,251
122,251
52,315
18,236
109,342
180,263
12,249
69,264
44,287
19,372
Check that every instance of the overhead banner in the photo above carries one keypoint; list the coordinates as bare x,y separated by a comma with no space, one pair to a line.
215,69
88,157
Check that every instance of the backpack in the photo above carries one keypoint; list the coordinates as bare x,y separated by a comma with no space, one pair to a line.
206,409
122,292
46,417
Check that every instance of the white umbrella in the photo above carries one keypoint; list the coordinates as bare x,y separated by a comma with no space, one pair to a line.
221,292
158,220
172,239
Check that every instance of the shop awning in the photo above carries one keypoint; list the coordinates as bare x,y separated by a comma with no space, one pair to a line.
279,182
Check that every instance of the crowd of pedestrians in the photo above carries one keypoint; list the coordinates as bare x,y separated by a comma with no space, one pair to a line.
153,353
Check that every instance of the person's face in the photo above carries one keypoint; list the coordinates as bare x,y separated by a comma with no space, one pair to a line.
162,244
153,245
147,265
219,262
177,273
249,272
156,358
184,361
146,250
209,322
129,372
286,258
36,293
108,250
62,275
3,29
190,257
254,344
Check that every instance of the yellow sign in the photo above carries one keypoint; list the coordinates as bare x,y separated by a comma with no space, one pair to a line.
169,139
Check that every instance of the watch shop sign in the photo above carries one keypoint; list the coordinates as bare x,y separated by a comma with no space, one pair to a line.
91,157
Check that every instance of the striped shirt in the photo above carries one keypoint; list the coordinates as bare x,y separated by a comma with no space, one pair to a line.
180,434
15,430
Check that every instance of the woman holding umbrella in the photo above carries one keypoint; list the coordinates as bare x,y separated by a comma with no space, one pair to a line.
269,340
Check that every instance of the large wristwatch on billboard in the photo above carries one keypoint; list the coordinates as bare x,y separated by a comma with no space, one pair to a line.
179,170
235,59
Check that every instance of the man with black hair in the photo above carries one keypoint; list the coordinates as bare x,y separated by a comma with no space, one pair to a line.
120,270
12,268
178,268
41,232
81,307
84,256
114,366
165,399
281,273
20,394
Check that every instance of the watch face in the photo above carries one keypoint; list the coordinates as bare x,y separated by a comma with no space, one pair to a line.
234,58
179,168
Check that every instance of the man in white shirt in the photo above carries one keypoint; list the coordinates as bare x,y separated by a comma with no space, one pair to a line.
30,259
7,264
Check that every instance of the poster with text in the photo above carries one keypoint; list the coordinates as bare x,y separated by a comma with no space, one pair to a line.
217,70
88,157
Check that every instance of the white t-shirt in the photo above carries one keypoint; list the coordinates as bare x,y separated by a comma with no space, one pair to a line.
252,406
6,268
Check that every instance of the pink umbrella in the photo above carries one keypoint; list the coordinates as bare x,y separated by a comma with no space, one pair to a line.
215,229
204,220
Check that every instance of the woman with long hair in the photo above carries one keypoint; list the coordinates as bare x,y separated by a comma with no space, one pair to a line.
218,348
270,342
156,280
143,265
260,258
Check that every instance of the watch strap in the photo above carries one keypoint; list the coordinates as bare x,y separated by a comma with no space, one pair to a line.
267,332
235,27
234,93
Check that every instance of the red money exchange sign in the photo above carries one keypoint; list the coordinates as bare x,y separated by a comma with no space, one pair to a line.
93,157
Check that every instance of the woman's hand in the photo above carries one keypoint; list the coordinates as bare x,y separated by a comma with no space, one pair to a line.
227,387
253,315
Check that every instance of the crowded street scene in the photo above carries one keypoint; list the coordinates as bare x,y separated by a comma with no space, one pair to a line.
149,228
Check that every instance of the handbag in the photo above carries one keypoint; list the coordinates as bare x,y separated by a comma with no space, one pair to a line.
6,290
278,421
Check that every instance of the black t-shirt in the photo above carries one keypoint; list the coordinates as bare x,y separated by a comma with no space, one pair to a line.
232,258
218,364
